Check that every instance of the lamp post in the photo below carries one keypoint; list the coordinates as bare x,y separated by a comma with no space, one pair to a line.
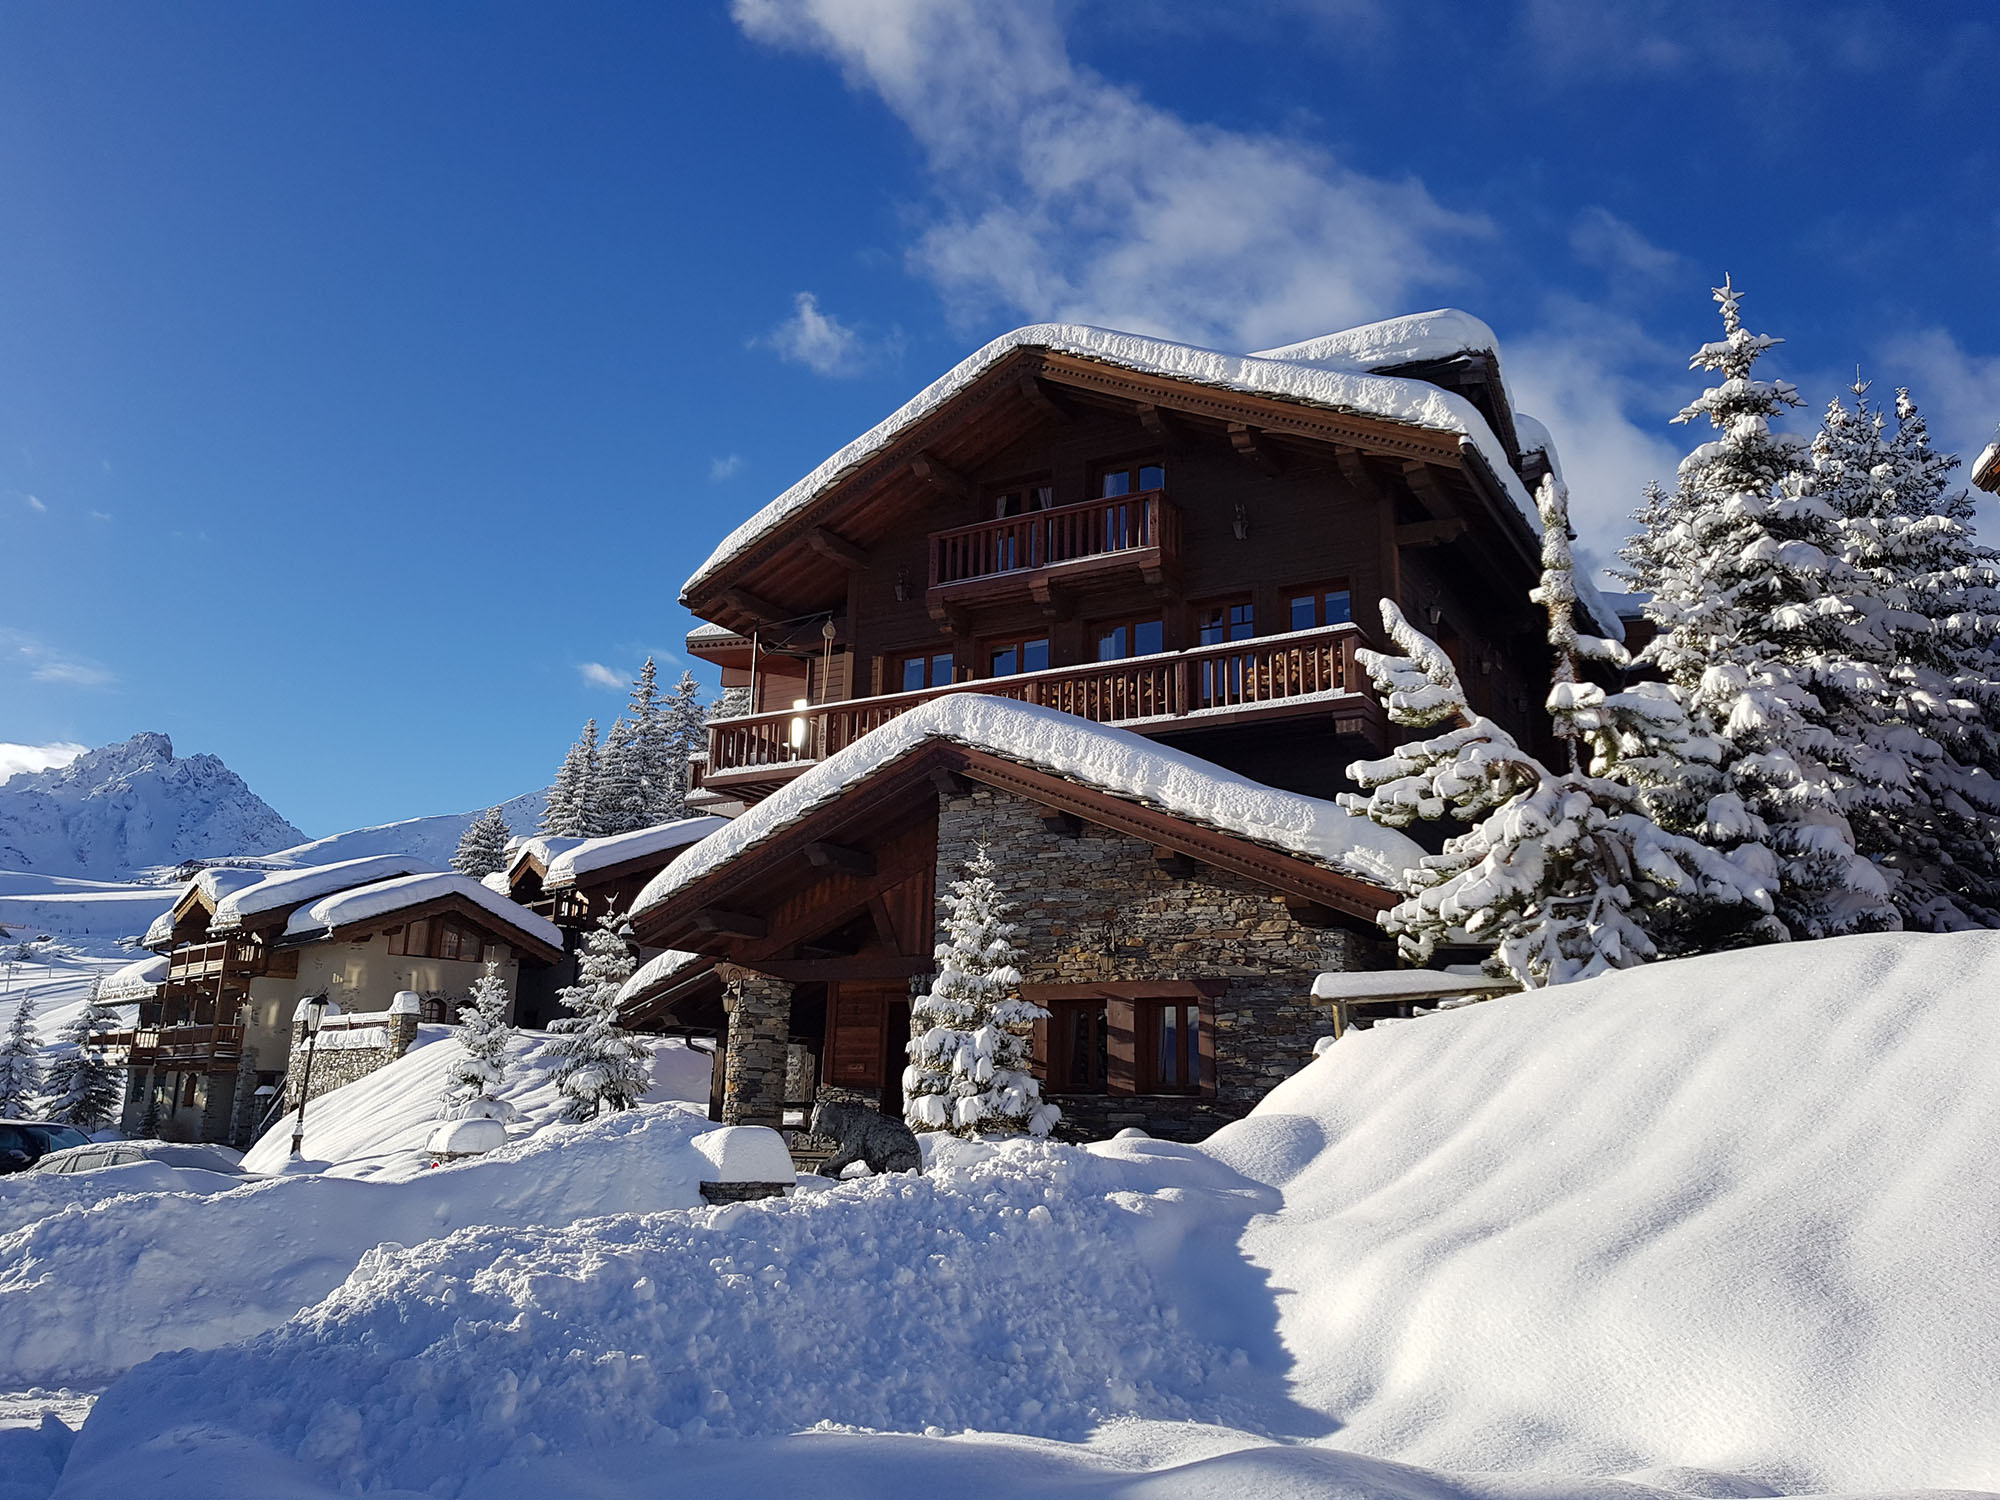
315,1014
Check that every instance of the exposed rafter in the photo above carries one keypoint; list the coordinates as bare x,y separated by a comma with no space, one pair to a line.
941,476
1165,430
729,923
1430,533
1045,401
1063,825
824,856
1423,482
762,610
838,548
1252,444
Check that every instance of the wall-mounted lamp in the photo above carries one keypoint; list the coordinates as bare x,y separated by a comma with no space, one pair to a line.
1240,523
902,585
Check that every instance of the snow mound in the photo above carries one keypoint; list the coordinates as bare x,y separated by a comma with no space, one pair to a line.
104,1283
745,1153
1113,760
898,1302
1733,1213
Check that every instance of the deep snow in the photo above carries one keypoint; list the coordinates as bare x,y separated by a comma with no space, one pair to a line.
1730,1214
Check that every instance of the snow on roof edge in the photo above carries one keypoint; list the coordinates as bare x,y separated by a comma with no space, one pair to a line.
660,966
364,903
616,848
1112,760
1413,402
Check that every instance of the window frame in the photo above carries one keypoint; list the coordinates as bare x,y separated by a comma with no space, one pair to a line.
993,646
1227,602
1095,629
898,662
1131,1011
1319,589
994,496
1133,469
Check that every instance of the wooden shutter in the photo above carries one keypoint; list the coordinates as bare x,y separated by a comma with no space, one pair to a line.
856,1046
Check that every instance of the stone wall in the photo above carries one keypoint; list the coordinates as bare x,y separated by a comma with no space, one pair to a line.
1098,908
760,1028
334,1066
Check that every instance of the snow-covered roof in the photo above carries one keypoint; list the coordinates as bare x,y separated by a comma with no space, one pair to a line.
660,966
495,881
1414,338
1986,467
543,847
275,892
136,981
708,630
384,898
160,931
616,848
1111,760
1393,984
1410,402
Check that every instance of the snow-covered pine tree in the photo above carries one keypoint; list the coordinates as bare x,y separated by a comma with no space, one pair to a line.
603,1066
1918,709
482,848
1746,575
483,1036
687,739
572,805
20,1061
621,790
83,1089
1563,873
969,1068
659,793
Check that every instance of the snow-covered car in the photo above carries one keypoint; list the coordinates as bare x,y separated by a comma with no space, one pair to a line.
92,1155
25,1142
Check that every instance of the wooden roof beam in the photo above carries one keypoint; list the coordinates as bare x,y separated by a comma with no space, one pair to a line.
1063,825
760,609
941,476
729,923
1173,863
1430,533
838,549
1164,429
840,858
1252,444
1423,482
1045,402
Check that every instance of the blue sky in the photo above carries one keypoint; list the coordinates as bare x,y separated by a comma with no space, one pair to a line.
371,375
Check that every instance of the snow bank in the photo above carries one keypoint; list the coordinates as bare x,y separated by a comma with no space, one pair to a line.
1112,760
384,898
98,1286
1734,1212
615,849
898,1302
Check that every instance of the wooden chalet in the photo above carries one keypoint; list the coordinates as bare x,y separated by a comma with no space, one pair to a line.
1175,952
1187,544
1986,467
243,947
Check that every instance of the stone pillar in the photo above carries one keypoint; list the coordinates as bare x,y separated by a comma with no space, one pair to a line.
760,1026
404,1013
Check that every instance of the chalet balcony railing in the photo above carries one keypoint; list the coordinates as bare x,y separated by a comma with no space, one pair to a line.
1142,529
1168,690
209,1048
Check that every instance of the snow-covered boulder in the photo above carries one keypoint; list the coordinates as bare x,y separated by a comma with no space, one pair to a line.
744,1158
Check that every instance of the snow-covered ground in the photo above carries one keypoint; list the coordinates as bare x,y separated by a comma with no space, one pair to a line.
1719,1227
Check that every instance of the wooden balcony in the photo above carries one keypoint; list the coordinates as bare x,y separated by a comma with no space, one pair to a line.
1031,555
1281,676
184,1049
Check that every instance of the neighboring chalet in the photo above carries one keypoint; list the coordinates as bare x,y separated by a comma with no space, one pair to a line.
243,947
1986,467
574,882
1094,600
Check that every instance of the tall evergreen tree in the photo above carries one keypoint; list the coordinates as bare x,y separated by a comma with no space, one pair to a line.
602,1066
83,1089
20,1061
621,783
572,805
687,739
1564,872
1746,573
480,1067
482,848
968,1069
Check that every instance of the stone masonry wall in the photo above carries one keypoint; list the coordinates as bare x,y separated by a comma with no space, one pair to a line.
760,1028
1099,908
334,1067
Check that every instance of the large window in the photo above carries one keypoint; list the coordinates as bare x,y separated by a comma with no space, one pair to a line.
1131,479
1127,1038
1116,639
1008,658
1169,1034
438,937
1023,499
929,669
1313,605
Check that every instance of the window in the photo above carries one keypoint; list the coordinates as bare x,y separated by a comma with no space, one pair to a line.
413,940
1131,479
928,670
1226,620
458,941
1007,658
1022,499
1169,1046
1079,1046
1314,605
1121,638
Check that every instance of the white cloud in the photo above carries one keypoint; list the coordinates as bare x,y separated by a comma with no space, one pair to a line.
720,469
17,759
598,675
819,341
34,503
1600,238
1064,195
44,663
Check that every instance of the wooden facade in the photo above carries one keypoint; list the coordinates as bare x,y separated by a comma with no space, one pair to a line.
1193,563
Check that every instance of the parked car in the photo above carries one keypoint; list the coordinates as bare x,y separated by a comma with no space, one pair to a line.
25,1142
94,1154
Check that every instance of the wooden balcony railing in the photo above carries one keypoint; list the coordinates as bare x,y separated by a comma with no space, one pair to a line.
213,1049
1171,690
1141,530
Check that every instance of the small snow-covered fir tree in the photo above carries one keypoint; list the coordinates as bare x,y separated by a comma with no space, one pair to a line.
480,1068
1565,873
20,1062
1747,578
687,739
83,1089
572,805
602,1066
969,1067
482,848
